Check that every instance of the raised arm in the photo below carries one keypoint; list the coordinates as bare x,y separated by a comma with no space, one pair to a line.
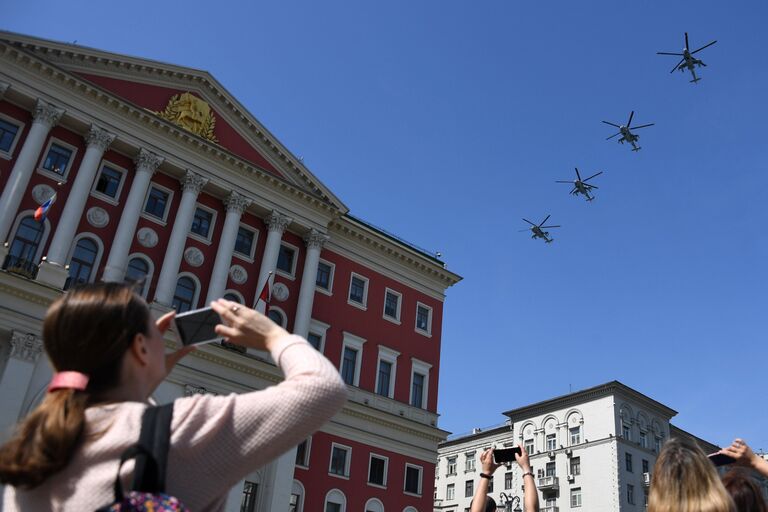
531,495
744,456
481,492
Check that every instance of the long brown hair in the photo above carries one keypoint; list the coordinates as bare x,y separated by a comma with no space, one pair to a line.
744,491
684,480
88,330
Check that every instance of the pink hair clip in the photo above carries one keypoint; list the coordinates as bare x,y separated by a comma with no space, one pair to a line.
68,380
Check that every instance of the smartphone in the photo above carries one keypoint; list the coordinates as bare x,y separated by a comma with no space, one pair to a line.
197,326
721,459
505,455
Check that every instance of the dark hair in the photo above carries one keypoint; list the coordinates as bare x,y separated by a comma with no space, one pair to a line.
490,504
88,330
744,491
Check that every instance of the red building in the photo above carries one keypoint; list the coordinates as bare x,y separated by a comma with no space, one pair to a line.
161,177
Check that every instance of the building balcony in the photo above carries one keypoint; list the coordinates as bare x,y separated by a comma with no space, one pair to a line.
646,479
20,266
548,483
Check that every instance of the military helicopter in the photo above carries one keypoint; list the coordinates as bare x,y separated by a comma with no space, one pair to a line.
581,186
688,61
538,230
626,134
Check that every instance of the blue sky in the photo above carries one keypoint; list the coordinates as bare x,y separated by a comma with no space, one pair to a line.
446,122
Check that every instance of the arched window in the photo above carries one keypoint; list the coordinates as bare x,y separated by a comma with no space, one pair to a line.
82,262
276,316
335,501
138,273
234,297
374,505
22,256
184,297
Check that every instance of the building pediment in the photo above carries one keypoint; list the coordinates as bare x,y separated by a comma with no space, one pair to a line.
186,97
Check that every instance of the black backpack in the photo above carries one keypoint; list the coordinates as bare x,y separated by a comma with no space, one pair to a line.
151,454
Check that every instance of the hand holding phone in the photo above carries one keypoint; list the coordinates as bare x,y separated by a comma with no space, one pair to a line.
721,459
197,326
505,455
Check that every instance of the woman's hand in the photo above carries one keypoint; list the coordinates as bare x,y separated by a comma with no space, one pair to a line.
740,451
522,459
163,323
246,326
486,462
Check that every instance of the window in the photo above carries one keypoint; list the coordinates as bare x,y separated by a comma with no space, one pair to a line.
276,316
244,243
550,469
8,132
508,480
351,355
316,335
490,485
575,466
82,263
387,370
392,305
340,456
450,492
575,435
137,272
302,453
286,259
332,507
451,466
419,383
626,432
202,222
412,479
384,377
645,466
423,318
576,497
294,503
234,297
108,182
528,446
57,159
469,461
22,256
157,202
184,296
248,501
335,501
657,444
358,290
643,439
324,279
377,470
551,442
628,460
315,340
630,494
469,488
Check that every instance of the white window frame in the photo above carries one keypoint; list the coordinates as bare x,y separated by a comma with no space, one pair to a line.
578,495
99,252
43,237
424,368
336,495
152,218
386,470
104,197
298,489
428,332
399,306
642,439
421,479
529,442
448,465
282,312
570,435
374,504
200,238
250,257
329,291
319,328
354,342
547,438
364,305
235,292
52,175
150,273
20,125
309,452
450,496
347,461
194,278
470,465
292,275
388,355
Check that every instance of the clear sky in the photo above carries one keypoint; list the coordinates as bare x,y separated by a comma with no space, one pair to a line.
447,121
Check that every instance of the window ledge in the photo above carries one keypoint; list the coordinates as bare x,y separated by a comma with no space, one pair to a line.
323,291
285,274
423,333
343,477
243,257
362,307
5,156
199,238
154,219
378,486
412,494
105,198
393,320
299,466
52,175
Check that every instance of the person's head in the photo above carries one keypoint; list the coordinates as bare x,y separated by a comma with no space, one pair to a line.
490,504
106,332
684,480
744,490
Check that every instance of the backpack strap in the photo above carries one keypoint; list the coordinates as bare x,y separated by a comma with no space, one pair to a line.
151,452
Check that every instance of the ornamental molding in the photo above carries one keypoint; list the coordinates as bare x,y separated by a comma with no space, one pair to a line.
97,217
3,89
148,161
191,113
236,203
147,237
194,389
99,138
194,256
280,292
41,193
276,221
315,239
238,274
26,346
47,114
193,182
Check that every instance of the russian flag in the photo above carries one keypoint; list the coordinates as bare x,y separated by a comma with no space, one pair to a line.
41,212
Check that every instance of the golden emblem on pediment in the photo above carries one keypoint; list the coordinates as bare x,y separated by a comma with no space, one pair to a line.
192,114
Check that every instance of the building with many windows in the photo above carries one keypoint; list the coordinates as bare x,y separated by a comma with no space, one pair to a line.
590,450
164,179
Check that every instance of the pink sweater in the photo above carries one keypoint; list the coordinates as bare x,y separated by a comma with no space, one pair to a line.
215,440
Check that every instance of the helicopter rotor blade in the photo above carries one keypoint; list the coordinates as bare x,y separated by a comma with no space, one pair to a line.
549,227
569,181
686,41
631,115
523,230
606,122
642,126
669,53
612,136
577,173
677,66
598,174
710,44
590,187
545,220
529,222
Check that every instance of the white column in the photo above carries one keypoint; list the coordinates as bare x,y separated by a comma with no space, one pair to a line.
98,140
314,241
278,484
192,184
46,116
276,224
25,352
146,164
236,205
